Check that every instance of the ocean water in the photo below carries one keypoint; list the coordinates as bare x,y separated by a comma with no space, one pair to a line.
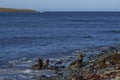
34,34
29,35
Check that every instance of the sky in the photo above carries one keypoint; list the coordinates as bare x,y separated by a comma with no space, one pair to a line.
63,5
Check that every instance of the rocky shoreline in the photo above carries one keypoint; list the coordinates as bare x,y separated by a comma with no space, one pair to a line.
101,63
103,66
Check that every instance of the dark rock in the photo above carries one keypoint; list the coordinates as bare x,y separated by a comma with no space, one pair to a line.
59,62
107,61
55,68
79,78
61,66
43,76
94,77
60,74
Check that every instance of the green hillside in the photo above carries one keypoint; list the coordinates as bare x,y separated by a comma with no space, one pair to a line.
15,10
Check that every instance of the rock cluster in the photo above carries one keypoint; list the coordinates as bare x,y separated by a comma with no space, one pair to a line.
104,66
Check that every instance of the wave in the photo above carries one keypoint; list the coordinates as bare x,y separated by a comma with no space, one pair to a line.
21,40
93,21
111,31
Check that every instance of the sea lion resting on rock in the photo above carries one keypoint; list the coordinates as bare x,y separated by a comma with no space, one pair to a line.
46,64
39,65
77,63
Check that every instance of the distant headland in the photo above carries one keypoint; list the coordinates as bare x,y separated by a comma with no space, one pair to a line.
15,10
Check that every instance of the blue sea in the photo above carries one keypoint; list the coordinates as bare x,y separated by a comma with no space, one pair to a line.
50,34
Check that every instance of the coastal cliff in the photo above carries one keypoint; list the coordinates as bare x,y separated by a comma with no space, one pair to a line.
15,10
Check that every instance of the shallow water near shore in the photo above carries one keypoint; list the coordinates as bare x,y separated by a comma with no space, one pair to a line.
25,36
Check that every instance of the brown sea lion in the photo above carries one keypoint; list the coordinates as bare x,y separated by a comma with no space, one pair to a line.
77,63
46,63
39,64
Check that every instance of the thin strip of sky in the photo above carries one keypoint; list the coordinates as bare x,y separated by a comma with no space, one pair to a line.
63,5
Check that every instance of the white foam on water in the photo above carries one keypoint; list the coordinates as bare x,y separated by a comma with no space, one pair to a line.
29,61
27,71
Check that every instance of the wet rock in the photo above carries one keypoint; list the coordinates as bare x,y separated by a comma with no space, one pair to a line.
59,62
104,52
62,66
55,68
112,75
107,61
88,77
117,66
60,74
94,77
115,59
100,64
43,76
113,50
39,65
79,78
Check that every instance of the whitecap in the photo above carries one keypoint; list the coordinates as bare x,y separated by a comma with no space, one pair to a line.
27,71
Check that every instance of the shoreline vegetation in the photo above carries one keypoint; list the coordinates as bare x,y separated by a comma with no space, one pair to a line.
15,10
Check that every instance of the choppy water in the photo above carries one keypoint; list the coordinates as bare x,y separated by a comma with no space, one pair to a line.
29,35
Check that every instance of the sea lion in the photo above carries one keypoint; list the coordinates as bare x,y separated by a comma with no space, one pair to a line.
39,64
46,63
77,63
